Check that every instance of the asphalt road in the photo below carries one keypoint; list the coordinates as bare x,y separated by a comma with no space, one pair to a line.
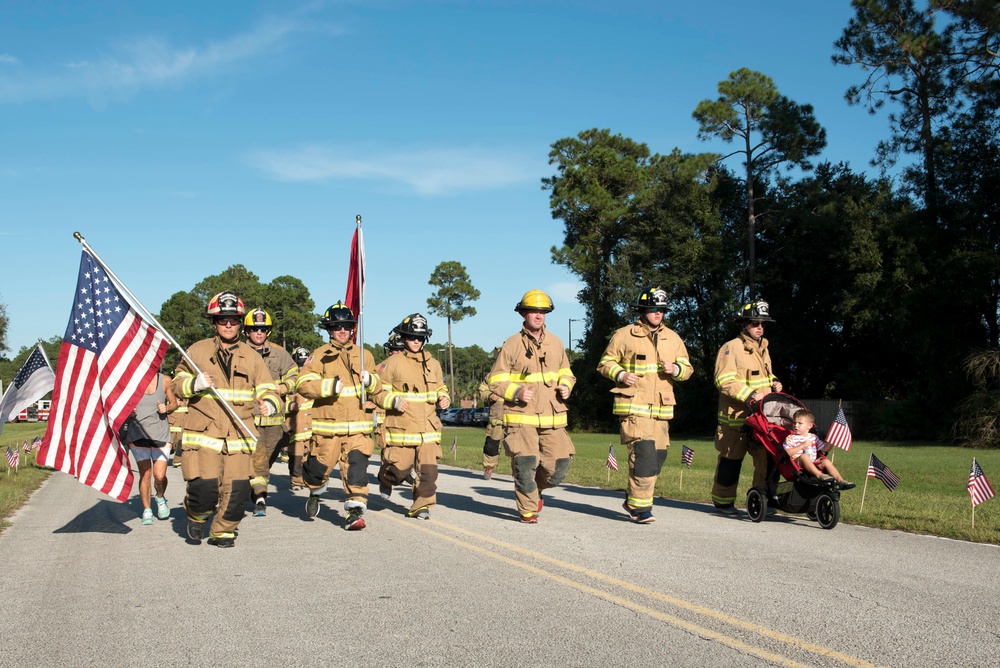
84,584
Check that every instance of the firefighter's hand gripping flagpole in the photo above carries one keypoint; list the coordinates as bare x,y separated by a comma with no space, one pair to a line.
156,323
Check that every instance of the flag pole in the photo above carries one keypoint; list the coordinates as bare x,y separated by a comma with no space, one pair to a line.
361,302
864,490
134,301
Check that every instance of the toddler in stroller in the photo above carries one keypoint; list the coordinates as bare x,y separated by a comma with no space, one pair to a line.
802,448
789,487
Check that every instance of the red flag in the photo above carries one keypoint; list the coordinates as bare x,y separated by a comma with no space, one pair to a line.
107,359
356,275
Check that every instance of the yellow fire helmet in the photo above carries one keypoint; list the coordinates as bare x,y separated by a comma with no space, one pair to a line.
534,300
257,318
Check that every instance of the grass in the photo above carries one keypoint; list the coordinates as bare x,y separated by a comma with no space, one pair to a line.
17,486
930,499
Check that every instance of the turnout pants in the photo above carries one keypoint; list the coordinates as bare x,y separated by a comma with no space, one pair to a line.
491,448
647,441
217,482
351,452
269,445
539,459
733,446
398,461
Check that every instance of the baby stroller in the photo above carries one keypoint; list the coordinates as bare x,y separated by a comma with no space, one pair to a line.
788,487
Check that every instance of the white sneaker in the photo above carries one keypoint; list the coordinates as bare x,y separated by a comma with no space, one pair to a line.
147,516
162,510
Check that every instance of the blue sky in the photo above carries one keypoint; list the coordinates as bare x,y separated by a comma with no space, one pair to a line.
181,138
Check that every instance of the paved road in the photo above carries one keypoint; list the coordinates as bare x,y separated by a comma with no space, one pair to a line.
84,584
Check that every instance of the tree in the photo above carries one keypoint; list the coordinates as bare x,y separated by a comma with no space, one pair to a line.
3,327
773,129
454,289
906,62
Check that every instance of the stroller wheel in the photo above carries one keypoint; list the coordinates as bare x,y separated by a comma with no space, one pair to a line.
756,504
827,511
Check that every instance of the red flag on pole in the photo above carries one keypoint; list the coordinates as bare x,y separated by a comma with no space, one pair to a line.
355,298
108,356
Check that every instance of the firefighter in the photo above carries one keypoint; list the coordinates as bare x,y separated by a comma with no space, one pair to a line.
393,346
273,433
494,426
532,375
336,379
412,386
644,360
217,456
299,422
744,375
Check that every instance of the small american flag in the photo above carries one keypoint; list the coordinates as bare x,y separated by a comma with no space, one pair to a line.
26,447
687,456
612,462
876,469
839,433
454,445
35,442
12,457
979,486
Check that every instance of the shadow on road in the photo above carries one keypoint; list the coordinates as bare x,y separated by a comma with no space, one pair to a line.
103,517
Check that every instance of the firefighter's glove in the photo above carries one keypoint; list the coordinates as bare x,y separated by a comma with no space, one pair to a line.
201,383
338,386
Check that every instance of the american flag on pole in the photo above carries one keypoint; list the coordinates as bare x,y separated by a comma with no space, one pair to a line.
32,382
36,442
355,298
12,457
839,433
108,356
26,447
876,469
454,445
979,487
687,456
612,462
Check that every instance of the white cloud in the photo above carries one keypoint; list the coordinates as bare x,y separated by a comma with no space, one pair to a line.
425,171
565,292
141,63
7,59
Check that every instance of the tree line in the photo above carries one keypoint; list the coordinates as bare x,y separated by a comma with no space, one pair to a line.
885,289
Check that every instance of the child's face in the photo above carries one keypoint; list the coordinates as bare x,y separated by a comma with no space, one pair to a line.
803,425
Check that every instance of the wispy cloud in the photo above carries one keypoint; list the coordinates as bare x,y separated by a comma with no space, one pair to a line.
139,63
424,171
7,59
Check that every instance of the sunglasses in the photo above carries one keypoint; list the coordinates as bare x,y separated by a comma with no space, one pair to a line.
227,321
656,310
755,323
412,337
337,327
259,329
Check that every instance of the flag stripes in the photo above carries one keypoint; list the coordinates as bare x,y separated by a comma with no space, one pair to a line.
876,469
979,487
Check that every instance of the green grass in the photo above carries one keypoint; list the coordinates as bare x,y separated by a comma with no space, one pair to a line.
16,487
930,499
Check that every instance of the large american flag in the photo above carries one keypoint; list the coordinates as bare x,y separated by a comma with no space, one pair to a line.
108,356
876,469
979,486
839,433
612,462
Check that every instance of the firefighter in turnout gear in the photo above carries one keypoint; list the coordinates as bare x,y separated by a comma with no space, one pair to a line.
299,412
273,433
744,375
494,426
393,346
532,375
217,456
644,360
336,379
412,386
